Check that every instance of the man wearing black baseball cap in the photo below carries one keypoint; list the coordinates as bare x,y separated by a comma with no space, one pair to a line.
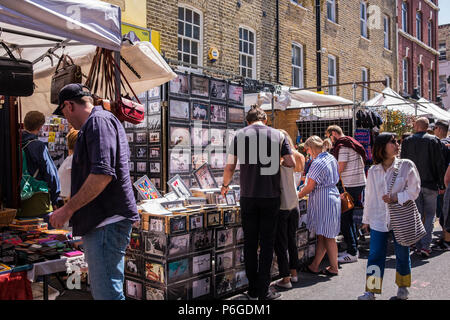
102,207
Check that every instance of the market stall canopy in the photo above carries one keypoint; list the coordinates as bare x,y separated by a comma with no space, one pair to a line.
437,112
93,22
393,101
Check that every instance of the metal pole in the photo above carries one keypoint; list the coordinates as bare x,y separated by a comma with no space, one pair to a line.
318,47
354,86
273,110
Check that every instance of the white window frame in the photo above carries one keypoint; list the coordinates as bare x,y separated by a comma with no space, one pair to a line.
388,81
442,84
442,51
331,15
365,77
430,33
430,85
246,54
405,71
363,20
387,32
297,68
332,79
420,79
405,8
191,39
419,34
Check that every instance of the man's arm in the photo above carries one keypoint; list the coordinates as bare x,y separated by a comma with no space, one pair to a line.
228,173
91,188
341,166
289,161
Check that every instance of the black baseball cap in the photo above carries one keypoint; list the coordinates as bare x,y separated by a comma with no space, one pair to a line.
70,91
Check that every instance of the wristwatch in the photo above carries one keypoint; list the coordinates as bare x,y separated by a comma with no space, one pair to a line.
224,186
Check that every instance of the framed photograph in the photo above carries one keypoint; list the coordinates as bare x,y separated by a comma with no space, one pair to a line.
154,137
178,270
140,151
199,86
302,238
240,279
132,179
156,224
239,235
179,110
178,224
311,251
205,177
239,256
133,289
154,153
179,160
141,96
180,188
224,237
154,122
152,293
213,218
131,166
218,90
178,291
130,137
231,200
218,160
135,241
154,271
141,166
218,113
199,111
153,107
230,134
200,136
302,257
235,93
179,85
133,264
146,188
141,137
196,221
201,263
201,287
311,235
217,137
178,245
236,115
202,239
154,92
224,283
224,261
219,178
198,159
156,182
155,167
219,199
156,244
179,136
229,216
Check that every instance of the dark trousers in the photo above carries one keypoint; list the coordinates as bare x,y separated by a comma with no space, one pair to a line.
348,227
439,209
259,219
286,241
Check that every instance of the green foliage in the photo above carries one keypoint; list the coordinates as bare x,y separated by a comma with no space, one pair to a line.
396,122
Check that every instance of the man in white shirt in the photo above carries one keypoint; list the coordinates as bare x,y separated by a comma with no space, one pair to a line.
351,156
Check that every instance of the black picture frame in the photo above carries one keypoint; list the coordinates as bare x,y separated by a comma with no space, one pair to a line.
224,238
156,180
133,264
179,136
154,167
154,122
154,293
239,235
200,111
178,270
224,283
199,157
199,142
202,239
201,287
141,167
218,113
218,90
217,160
235,93
140,152
140,137
154,93
133,289
130,137
154,137
240,279
199,86
180,85
154,152
239,256
155,271
179,161
174,113
236,114
201,263
155,244
178,291
131,166
178,245
178,224
213,218
205,177
153,107
217,136
224,260
196,221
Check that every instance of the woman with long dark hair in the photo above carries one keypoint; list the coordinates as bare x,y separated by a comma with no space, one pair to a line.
376,215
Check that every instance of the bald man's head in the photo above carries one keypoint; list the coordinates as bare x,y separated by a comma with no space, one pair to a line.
421,124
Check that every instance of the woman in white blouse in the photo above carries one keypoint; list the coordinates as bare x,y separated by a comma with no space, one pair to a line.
376,214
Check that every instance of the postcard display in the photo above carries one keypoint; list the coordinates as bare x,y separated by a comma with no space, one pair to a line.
53,133
144,140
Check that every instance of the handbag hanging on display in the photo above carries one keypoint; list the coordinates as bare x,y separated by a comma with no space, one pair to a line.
68,73
346,200
405,219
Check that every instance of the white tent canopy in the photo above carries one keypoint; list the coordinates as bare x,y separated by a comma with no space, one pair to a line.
437,112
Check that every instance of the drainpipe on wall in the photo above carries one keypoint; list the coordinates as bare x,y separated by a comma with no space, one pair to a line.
278,38
396,47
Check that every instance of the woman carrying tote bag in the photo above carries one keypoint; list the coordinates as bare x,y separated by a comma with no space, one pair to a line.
389,208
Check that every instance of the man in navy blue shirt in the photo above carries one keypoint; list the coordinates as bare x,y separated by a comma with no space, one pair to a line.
102,207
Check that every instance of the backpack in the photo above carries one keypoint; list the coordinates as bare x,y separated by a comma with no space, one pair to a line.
29,185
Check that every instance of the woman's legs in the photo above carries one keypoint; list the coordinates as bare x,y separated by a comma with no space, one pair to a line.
320,253
332,252
403,265
376,261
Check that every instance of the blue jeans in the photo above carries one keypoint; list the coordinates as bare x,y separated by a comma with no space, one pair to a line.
377,259
426,204
104,251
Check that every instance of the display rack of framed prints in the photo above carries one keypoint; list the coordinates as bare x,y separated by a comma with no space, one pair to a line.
53,133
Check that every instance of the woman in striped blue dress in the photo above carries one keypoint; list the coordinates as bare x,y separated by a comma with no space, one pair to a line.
324,205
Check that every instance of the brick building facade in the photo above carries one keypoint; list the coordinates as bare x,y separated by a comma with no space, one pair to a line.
417,47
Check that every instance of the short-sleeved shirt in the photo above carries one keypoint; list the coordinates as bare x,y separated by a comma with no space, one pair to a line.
259,148
102,148
353,175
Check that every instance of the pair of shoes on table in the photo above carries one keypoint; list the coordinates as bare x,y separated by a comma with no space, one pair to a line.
402,293
367,296
348,258
284,285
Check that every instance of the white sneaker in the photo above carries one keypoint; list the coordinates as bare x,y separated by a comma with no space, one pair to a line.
294,279
367,296
281,284
342,253
348,258
402,293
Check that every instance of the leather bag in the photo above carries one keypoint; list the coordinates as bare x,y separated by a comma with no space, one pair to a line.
16,75
68,73
346,200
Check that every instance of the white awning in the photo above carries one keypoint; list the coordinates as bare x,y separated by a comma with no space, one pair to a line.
437,112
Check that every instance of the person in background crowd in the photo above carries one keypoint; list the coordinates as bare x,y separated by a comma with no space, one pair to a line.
324,205
441,131
286,240
102,207
260,195
446,208
327,144
425,151
351,157
377,217
65,169
41,166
